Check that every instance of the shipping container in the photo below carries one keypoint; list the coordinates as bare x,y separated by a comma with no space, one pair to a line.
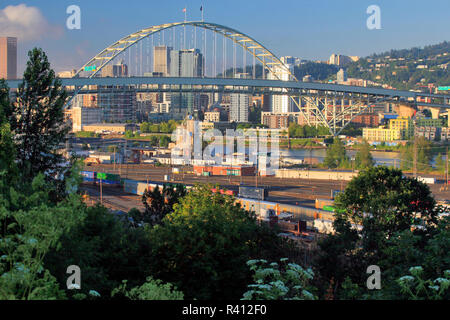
108,176
427,180
130,186
328,208
320,203
88,174
141,188
110,182
253,193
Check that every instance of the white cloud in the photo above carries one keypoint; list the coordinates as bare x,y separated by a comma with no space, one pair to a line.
26,23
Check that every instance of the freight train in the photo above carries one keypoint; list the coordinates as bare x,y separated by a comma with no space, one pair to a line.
316,219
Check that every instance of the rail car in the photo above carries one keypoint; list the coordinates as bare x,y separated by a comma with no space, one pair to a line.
315,218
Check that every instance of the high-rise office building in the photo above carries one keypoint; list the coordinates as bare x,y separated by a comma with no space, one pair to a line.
161,61
8,58
239,103
115,70
186,63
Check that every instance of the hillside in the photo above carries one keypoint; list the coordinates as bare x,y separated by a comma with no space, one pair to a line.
413,68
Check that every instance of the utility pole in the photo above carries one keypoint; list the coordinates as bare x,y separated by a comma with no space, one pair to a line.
415,157
126,160
446,169
101,192
256,172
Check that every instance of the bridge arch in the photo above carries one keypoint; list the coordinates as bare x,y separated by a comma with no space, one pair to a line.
255,48
268,60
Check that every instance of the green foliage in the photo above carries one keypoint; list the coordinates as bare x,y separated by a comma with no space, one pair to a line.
388,207
352,131
279,281
254,114
162,127
363,158
318,71
440,163
5,103
383,200
203,246
416,287
336,156
105,248
129,134
8,168
403,74
164,141
158,203
423,155
37,115
298,131
85,134
26,236
150,290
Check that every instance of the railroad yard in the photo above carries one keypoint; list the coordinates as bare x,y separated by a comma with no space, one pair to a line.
302,192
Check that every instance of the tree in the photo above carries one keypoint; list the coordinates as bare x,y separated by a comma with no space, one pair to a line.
30,227
144,127
158,203
382,202
37,119
5,103
129,134
203,246
423,147
363,158
409,262
440,163
106,249
336,155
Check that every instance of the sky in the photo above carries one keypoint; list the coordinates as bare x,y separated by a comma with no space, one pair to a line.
308,29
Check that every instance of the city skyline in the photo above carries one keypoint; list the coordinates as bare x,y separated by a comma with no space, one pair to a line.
321,28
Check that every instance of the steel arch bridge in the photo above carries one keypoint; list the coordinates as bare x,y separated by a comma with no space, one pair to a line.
316,108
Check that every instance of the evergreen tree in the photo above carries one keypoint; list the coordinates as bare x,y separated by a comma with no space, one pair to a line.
38,118
364,158
5,103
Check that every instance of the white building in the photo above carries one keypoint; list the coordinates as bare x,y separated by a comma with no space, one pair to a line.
282,104
239,103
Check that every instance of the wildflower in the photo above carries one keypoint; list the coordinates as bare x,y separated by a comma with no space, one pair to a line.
406,279
94,293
